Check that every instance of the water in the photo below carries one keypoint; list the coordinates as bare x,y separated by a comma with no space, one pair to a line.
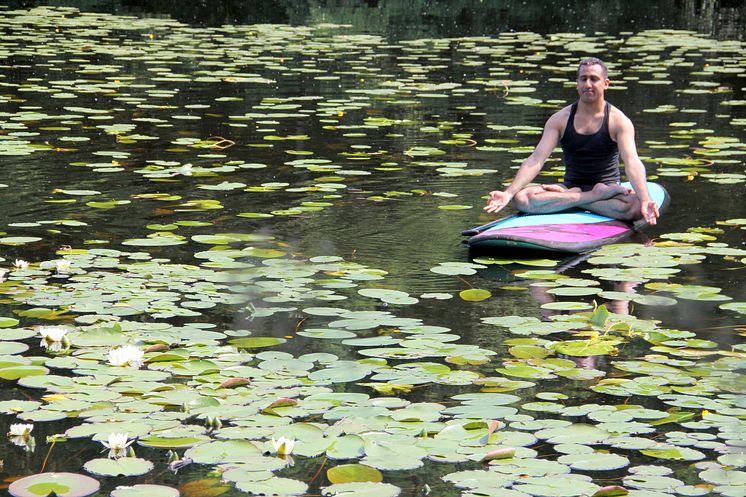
116,106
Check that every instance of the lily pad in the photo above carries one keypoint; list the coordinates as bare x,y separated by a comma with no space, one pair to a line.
19,240
347,473
61,484
361,489
256,342
594,461
475,295
145,490
124,466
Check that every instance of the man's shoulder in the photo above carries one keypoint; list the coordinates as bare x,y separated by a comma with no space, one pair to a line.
617,117
561,115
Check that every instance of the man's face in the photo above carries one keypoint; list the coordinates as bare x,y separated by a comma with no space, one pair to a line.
591,82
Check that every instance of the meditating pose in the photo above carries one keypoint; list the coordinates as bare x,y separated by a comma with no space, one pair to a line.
594,135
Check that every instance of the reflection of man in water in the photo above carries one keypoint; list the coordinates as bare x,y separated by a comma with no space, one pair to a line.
615,306
593,135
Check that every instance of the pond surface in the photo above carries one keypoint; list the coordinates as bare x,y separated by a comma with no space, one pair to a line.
249,232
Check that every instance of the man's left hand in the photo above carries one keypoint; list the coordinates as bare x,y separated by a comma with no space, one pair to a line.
650,212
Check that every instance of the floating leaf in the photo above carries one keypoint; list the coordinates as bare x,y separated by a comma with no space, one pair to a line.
124,466
594,461
256,342
347,473
585,348
145,490
19,240
611,491
171,443
475,295
8,322
361,489
676,453
61,484
273,486
16,372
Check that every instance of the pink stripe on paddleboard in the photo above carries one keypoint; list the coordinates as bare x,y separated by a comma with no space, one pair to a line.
566,233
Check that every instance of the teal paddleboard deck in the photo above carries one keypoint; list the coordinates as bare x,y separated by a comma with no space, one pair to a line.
573,231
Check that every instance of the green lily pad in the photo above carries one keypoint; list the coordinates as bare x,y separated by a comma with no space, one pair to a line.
479,480
223,451
719,476
214,239
327,333
145,490
361,489
475,295
584,348
388,296
159,241
124,466
172,443
273,486
61,484
739,307
17,372
675,453
567,306
347,473
256,342
19,240
574,291
10,348
557,486
8,322
594,461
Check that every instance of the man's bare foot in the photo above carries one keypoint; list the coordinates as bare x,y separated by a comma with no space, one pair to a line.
553,188
605,192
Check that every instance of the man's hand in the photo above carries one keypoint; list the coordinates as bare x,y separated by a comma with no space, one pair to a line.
649,212
498,200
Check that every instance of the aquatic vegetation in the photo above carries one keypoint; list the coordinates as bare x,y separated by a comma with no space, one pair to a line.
253,254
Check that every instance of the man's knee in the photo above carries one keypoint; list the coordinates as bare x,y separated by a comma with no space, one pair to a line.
522,201
631,211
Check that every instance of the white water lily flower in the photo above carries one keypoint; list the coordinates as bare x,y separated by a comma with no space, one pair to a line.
62,265
53,337
20,435
126,355
20,430
118,443
283,446
20,264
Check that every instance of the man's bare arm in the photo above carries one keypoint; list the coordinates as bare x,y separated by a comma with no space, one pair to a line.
531,166
634,168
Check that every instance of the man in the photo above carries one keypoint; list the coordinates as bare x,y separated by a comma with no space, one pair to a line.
593,135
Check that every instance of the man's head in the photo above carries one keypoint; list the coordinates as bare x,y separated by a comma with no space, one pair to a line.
592,80
593,61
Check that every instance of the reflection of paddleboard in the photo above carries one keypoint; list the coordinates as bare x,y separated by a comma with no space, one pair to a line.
567,231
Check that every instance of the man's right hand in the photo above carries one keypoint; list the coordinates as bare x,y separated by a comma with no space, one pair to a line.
498,200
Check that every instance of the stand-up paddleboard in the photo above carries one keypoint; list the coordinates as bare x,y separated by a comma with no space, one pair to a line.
572,230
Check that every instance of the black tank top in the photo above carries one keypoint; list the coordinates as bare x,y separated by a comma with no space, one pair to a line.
589,159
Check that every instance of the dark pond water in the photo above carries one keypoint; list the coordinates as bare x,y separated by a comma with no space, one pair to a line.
256,197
